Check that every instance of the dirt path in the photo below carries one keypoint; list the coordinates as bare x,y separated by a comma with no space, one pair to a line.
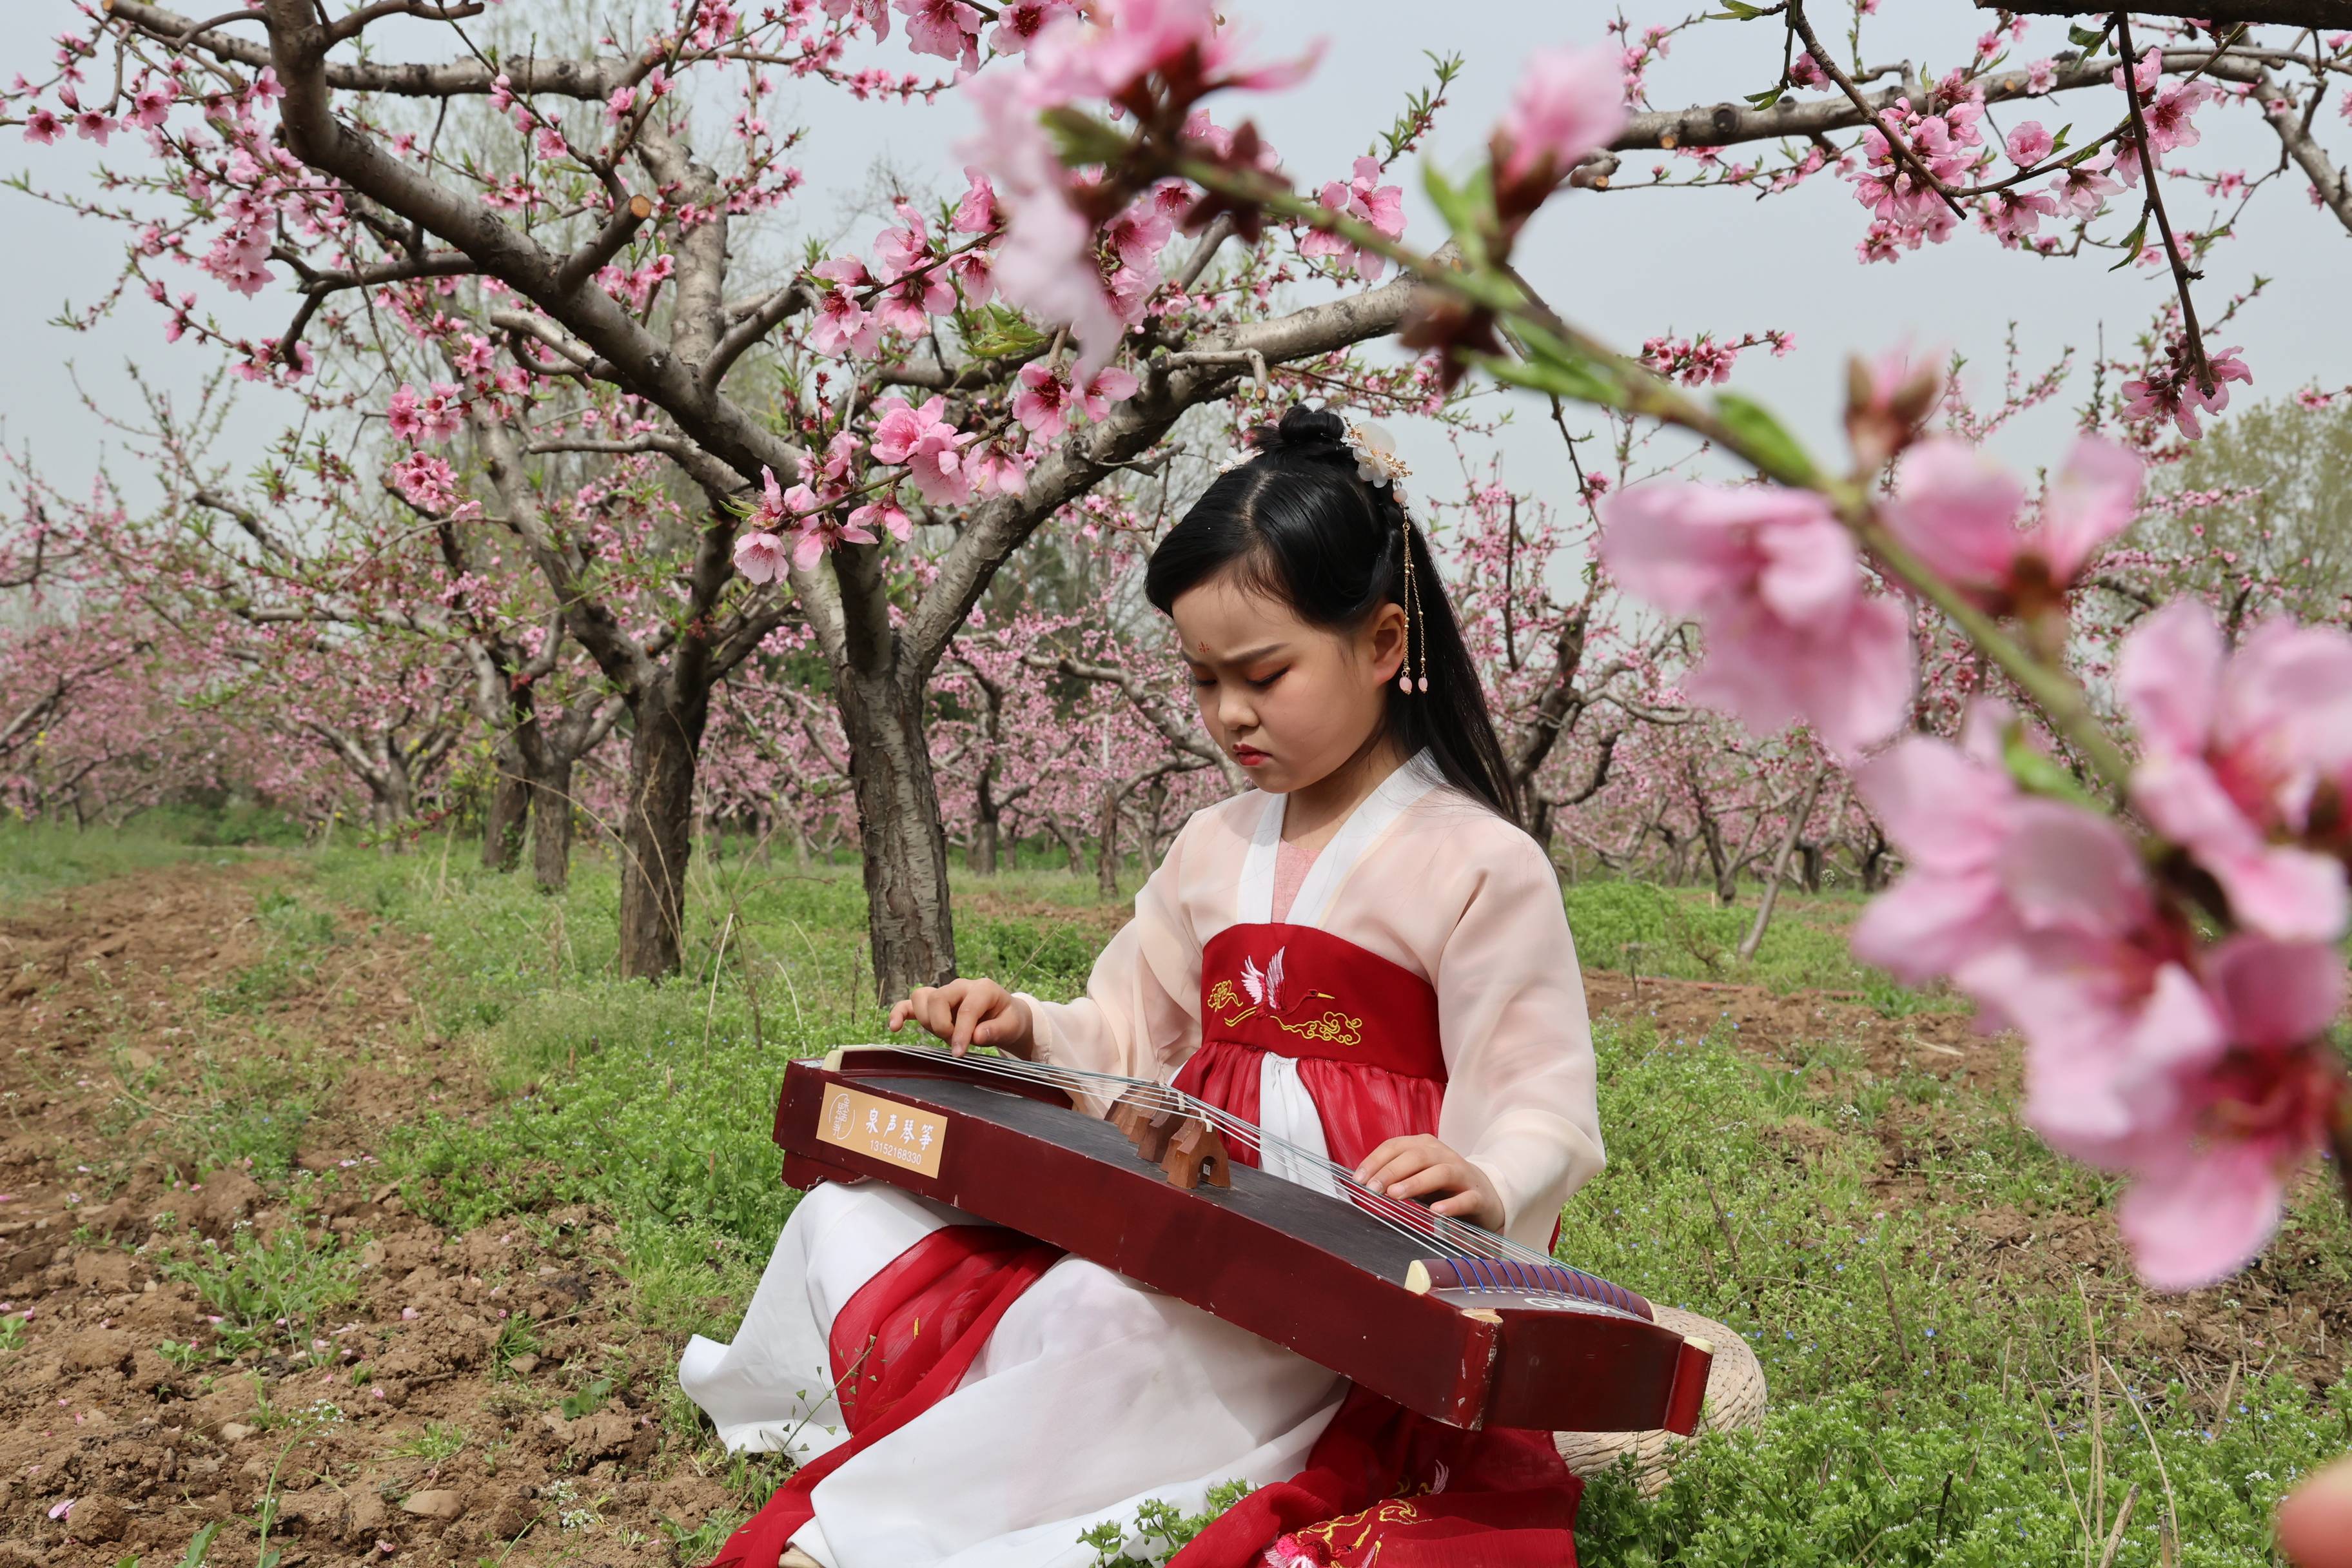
219,1313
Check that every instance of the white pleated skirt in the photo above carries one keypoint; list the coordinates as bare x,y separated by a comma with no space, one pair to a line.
1092,1397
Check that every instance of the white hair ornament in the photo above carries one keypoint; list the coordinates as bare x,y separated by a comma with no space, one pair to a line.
1377,465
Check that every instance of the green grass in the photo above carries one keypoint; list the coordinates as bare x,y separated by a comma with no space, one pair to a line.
38,857
1929,1406
1640,928
272,1291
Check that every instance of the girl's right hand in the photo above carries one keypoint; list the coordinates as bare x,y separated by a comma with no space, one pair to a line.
968,1013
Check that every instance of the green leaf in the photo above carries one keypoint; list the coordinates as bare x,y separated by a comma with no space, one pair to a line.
2132,242
1080,138
201,1546
1764,440
2058,143
995,331
1579,382
1567,370
2086,37
581,1402
1466,209
1737,11
2036,775
1766,100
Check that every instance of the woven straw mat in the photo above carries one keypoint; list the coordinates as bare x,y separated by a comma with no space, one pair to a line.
1735,1399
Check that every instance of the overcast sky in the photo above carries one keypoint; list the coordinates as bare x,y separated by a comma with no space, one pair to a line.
1628,264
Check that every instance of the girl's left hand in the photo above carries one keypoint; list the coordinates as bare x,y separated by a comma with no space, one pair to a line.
1420,1165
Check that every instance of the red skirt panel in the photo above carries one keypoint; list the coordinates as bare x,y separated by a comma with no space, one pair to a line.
1386,1488
1360,1106
900,1344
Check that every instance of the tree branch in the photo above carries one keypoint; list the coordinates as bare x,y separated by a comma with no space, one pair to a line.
2294,136
2324,15
583,264
998,527
640,362
592,80
1182,736
2151,176
1729,124
740,339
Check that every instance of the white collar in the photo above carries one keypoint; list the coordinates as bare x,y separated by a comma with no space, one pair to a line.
1372,816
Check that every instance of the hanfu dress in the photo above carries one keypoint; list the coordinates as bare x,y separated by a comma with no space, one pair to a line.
966,1397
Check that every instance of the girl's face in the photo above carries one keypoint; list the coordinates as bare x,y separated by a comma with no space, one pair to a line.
1290,702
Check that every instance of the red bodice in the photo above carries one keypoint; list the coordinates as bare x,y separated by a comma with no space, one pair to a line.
1362,1029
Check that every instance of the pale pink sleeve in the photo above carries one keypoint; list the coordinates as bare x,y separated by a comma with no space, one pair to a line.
1140,1016
1520,1098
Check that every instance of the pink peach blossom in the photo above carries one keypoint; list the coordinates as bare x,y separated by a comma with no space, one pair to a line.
2235,746
1568,103
2210,1176
841,322
921,438
1363,197
976,213
1947,808
1019,22
759,555
2083,188
883,512
1138,234
1959,511
1045,262
975,274
948,29
1043,403
2028,143
1775,584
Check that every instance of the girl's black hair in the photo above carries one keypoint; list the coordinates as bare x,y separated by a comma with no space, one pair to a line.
1295,523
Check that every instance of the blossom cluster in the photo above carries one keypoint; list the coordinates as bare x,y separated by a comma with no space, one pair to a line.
1708,359
2197,1065
2174,994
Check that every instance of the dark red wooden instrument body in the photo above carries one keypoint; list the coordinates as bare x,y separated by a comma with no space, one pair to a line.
1306,1270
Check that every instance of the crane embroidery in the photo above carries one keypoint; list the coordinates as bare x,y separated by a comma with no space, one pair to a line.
1265,988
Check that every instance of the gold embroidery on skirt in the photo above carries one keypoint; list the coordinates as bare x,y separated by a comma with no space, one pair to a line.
1333,1026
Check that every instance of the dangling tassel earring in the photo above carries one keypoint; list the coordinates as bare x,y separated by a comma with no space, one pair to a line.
1414,626
1377,465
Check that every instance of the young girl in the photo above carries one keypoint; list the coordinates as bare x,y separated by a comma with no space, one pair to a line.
1365,957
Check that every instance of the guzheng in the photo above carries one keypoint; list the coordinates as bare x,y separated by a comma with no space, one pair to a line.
1447,1319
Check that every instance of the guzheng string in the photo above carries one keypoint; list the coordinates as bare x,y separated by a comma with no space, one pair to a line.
1406,1218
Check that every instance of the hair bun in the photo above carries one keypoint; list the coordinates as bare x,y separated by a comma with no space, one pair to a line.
1300,427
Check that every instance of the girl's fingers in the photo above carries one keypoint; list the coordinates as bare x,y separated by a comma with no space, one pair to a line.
1001,1025
1388,1150
970,1008
901,1011
1398,1167
1461,1205
1440,1177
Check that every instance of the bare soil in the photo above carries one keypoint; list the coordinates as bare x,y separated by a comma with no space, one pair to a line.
409,1428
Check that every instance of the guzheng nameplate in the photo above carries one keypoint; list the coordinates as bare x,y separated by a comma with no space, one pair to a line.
892,1130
